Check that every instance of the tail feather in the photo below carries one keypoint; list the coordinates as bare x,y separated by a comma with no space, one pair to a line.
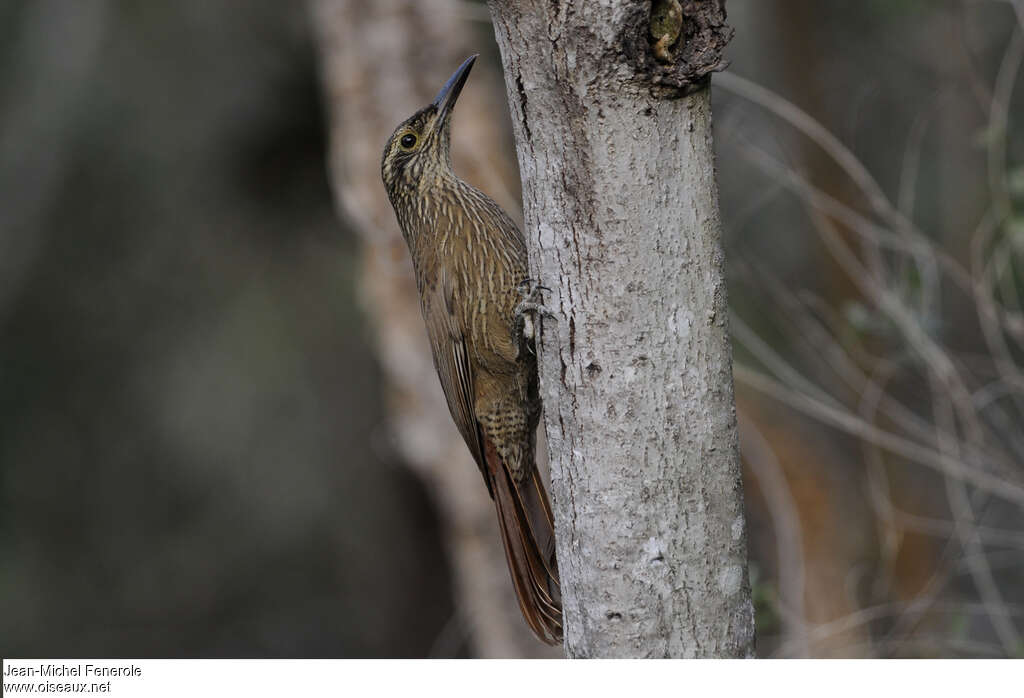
527,532
532,499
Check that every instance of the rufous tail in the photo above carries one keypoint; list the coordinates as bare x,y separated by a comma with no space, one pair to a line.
528,533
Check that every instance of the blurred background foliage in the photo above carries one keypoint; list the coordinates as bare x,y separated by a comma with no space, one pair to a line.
194,458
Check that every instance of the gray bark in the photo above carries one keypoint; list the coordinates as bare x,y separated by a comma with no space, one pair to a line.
621,208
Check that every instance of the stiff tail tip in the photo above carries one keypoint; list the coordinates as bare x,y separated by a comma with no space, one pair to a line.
527,531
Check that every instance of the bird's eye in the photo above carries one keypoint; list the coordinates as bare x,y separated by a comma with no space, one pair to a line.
408,140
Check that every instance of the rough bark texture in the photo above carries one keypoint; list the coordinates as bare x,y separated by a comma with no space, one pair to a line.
382,60
622,222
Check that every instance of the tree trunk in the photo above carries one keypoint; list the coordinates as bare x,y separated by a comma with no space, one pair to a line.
613,133
381,60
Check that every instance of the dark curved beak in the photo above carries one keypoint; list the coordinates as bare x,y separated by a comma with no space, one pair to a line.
445,100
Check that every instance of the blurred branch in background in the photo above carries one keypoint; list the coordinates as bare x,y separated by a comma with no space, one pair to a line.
188,400
913,373
382,60
45,88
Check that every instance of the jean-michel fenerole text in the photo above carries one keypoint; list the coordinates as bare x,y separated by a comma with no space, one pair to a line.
85,671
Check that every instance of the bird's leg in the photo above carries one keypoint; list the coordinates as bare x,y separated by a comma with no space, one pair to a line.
530,306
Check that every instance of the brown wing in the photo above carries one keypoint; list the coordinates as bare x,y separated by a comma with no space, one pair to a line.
451,359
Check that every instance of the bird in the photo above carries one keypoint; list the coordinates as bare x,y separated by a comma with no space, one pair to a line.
480,309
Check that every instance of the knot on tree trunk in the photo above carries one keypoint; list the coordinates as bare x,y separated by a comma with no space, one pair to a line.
676,44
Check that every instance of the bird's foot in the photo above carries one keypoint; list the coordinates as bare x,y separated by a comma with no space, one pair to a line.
531,300
530,308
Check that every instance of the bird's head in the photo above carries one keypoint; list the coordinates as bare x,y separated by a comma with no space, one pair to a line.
420,146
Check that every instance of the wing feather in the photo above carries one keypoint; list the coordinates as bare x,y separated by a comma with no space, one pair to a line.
451,359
